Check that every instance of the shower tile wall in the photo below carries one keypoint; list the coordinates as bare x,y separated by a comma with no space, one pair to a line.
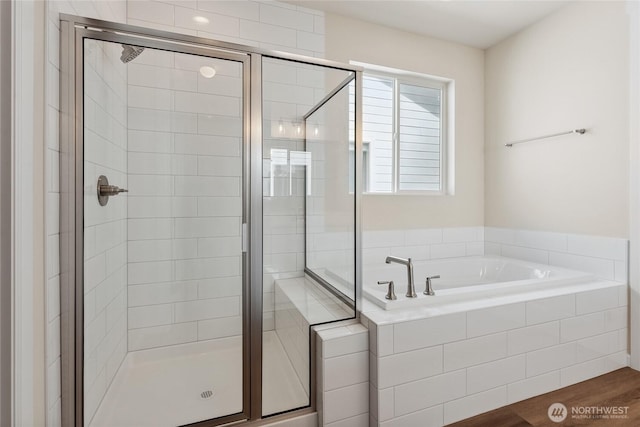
107,351
105,252
269,25
266,24
185,200
422,244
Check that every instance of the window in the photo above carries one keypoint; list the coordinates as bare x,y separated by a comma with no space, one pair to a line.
404,133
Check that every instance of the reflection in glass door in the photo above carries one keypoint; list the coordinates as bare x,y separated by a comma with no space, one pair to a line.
164,267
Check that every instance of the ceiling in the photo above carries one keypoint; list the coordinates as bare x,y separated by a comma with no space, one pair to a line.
478,23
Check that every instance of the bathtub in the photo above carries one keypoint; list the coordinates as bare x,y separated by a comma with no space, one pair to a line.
460,278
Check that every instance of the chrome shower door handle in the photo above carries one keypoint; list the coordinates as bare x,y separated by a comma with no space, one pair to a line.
105,190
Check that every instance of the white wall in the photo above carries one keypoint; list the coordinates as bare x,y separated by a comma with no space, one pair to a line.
568,71
352,40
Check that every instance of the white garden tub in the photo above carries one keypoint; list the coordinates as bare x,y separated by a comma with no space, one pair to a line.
474,277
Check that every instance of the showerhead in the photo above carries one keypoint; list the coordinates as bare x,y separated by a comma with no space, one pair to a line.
129,53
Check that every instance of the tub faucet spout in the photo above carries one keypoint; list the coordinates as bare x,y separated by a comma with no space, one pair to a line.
411,290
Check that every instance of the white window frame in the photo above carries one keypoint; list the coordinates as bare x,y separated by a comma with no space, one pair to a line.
446,120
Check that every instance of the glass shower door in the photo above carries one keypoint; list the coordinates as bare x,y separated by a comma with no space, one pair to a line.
309,221
164,267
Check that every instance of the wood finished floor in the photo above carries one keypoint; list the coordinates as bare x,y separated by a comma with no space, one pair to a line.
618,388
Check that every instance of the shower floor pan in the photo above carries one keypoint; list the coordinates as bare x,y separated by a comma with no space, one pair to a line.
185,383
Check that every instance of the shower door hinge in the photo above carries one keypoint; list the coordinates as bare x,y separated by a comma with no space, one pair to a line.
245,238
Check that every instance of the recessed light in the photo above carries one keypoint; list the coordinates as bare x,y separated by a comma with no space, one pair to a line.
200,20
207,72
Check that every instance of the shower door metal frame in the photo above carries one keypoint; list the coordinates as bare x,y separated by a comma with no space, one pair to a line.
73,29
72,203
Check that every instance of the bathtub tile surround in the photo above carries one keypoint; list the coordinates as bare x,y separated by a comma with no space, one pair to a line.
490,354
422,244
604,257
435,369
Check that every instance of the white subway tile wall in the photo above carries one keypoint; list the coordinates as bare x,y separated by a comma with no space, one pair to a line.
422,244
156,83
265,24
186,277
105,251
288,95
604,257
343,376
492,356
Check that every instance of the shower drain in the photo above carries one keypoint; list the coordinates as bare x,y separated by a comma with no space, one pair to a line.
207,394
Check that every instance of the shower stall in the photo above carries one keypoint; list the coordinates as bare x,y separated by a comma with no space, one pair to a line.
209,219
